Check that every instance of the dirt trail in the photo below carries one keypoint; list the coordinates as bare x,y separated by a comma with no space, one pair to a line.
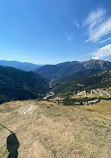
82,92
104,92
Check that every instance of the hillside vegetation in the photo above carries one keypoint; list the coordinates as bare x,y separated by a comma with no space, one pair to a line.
16,84
73,85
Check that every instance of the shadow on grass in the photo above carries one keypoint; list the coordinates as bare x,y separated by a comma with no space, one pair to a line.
12,144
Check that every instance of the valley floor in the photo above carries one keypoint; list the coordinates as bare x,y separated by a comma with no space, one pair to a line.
48,130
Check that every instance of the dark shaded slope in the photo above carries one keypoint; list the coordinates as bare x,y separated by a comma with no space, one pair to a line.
98,80
77,75
60,70
16,84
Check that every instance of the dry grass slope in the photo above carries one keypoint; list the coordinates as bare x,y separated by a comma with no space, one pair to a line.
47,130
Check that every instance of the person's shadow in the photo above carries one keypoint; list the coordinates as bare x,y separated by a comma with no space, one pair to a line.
12,146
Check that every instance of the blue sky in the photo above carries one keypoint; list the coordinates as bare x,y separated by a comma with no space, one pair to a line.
53,31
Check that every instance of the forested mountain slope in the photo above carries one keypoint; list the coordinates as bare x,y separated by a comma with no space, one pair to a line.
97,80
16,84
59,70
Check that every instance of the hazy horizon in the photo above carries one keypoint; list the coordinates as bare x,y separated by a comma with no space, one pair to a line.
51,63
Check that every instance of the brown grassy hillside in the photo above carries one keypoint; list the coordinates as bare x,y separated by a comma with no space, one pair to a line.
47,130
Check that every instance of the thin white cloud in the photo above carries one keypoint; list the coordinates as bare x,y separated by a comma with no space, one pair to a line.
102,52
108,39
98,25
95,17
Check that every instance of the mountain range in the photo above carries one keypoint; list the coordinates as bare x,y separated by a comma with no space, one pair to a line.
64,78
68,68
19,65
70,77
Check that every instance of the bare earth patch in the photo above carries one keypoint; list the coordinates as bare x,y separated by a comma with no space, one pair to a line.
27,110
